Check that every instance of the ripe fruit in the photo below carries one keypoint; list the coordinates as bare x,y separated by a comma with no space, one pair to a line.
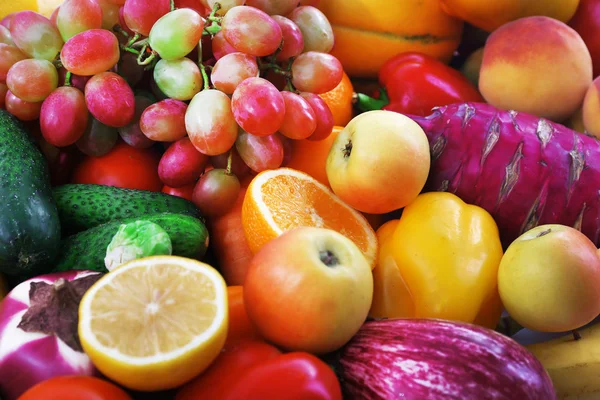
549,279
251,31
63,116
339,101
316,29
176,34
157,314
164,121
110,99
32,80
258,107
316,72
280,200
178,79
90,52
379,162
216,192
35,35
309,289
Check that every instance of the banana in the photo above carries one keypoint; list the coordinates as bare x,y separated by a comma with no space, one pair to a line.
573,364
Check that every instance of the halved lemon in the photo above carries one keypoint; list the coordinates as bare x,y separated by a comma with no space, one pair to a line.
156,322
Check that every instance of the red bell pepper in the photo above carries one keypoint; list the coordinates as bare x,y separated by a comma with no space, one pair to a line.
255,370
414,83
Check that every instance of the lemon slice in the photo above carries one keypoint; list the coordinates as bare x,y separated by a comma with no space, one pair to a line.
156,322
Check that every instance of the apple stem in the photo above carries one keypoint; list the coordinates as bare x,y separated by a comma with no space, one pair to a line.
347,149
576,335
328,258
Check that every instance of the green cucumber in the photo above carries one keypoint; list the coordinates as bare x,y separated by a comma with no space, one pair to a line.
87,249
29,224
84,206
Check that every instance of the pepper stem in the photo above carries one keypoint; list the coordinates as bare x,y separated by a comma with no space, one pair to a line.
367,103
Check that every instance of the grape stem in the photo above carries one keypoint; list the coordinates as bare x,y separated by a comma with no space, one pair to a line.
229,162
68,79
205,81
117,28
129,49
172,5
132,40
215,22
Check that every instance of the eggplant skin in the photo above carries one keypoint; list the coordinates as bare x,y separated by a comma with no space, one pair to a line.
417,359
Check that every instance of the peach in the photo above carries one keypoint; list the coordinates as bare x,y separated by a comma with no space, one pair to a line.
591,109
536,65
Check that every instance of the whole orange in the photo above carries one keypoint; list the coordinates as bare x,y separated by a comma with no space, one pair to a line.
311,156
369,32
339,101
310,289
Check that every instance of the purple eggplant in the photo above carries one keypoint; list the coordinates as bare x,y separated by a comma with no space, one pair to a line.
418,359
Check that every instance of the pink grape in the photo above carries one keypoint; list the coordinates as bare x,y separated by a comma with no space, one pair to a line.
316,72
251,31
293,43
315,27
63,116
178,79
196,5
54,16
176,33
35,35
23,110
274,7
110,99
132,133
300,120
32,80
9,56
110,14
76,16
238,166
216,192
7,20
324,116
231,70
258,107
181,164
90,52
3,91
260,153
129,69
5,36
209,122
164,121
220,46
77,81
226,5
124,26
140,15
98,139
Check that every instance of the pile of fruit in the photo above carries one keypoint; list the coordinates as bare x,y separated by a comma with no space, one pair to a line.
299,199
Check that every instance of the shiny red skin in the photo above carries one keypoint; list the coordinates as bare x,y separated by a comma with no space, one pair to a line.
254,370
586,22
416,83
110,99
258,106
63,117
181,164
324,116
140,15
75,388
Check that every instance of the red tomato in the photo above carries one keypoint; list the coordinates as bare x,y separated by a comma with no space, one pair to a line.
216,381
75,388
124,166
185,191
416,83
240,326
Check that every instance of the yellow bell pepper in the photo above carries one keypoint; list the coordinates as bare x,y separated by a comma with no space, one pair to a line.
439,260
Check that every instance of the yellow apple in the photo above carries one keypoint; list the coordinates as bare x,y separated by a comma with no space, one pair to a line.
379,162
309,289
549,279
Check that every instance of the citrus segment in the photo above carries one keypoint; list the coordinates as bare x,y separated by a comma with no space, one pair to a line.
156,322
283,199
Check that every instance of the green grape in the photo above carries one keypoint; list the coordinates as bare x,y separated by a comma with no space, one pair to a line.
178,79
176,34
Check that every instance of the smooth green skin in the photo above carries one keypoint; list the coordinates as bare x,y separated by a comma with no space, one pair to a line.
178,79
176,34
29,223
86,250
137,240
84,206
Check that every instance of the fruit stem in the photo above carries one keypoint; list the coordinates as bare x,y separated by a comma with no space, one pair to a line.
172,5
289,86
347,149
117,28
543,233
150,58
68,79
211,30
576,335
129,49
204,76
368,103
229,162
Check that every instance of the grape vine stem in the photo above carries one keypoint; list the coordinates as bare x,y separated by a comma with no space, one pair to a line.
68,79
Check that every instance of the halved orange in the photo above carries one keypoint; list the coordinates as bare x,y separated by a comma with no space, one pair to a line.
282,199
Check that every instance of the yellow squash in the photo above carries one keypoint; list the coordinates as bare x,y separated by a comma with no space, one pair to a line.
439,260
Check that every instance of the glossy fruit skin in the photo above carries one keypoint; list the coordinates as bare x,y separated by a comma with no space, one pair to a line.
75,388
110,99
255,370
216,192
181,164
90,52
586,22
416,83
240,327
439,360
124,166
63,129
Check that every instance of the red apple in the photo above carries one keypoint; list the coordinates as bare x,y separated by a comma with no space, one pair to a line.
586,22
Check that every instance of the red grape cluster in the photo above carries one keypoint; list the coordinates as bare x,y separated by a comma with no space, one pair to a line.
226,84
